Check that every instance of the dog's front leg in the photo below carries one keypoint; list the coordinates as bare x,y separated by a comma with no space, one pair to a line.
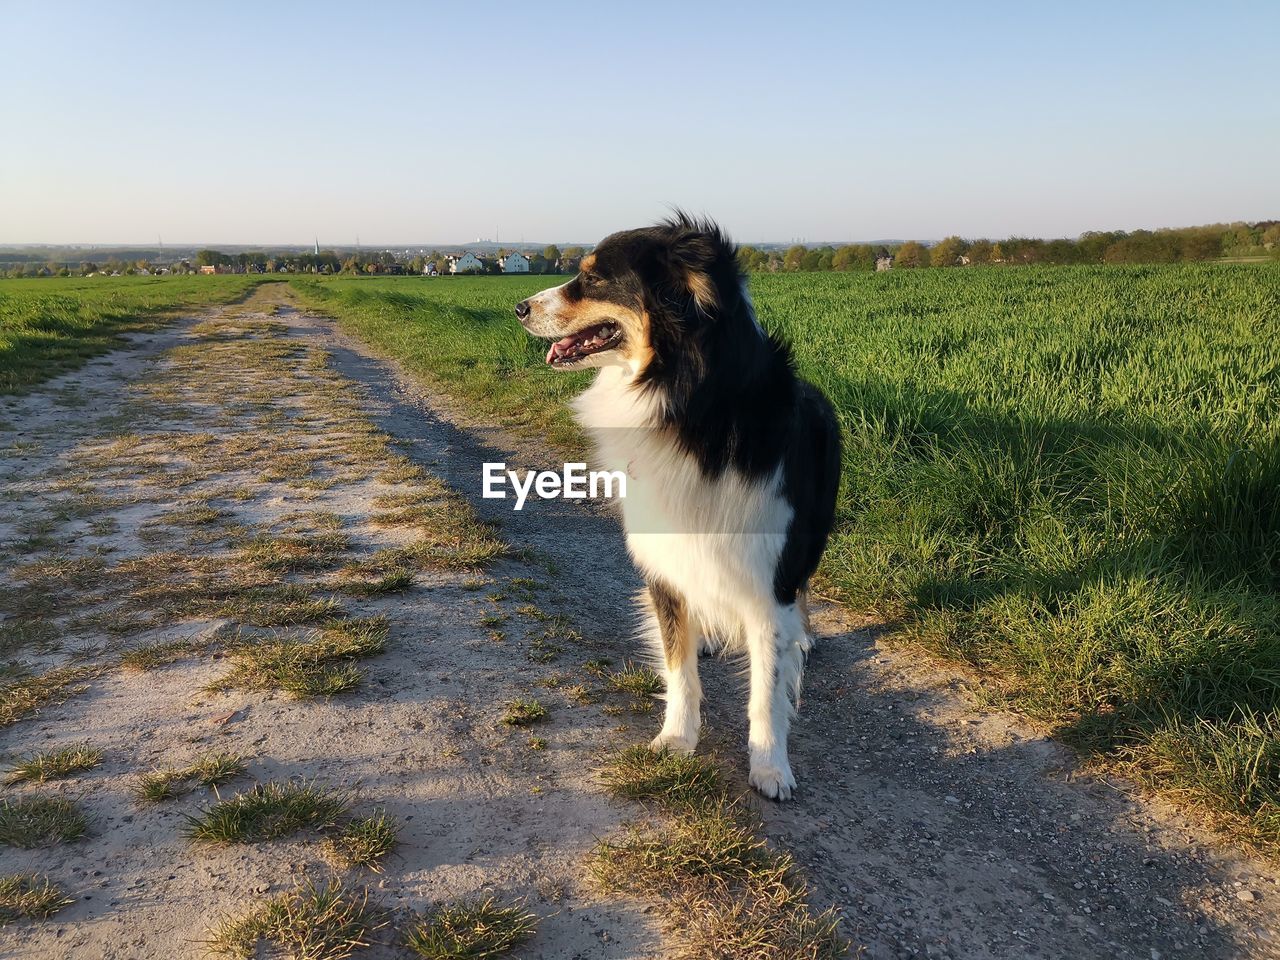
669,629
777,663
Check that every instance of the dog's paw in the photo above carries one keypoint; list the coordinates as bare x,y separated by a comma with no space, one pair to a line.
774,782
670,743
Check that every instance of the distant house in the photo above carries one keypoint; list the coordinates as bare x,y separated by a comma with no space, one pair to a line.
429,269
466,262
208,268
884,262
514,263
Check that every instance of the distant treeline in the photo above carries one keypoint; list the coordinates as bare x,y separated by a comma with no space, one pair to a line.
1185,244
371,262
1141,246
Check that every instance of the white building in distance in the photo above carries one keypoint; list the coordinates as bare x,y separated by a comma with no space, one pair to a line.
514,263
468,261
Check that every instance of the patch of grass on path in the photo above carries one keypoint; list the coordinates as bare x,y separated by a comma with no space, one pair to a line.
54,764
318,664
730,894
211,770
31,822
471,930
26,695
364,841
29,896
269,811
524,713
311,922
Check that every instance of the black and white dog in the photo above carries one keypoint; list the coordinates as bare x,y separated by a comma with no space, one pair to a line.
732,463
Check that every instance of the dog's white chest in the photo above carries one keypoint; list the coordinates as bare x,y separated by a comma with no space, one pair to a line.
716,539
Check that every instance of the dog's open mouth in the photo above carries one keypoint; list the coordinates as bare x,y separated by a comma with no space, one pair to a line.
580,345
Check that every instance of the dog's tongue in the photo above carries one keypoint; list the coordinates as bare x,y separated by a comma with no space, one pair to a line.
560,347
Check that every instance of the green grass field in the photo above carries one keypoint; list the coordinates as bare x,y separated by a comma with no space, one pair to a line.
49,326
1067,478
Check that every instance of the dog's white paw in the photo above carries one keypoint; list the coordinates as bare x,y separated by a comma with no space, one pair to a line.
773,781
672,743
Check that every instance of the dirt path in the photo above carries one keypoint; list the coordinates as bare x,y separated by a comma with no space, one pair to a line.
224,446
232,475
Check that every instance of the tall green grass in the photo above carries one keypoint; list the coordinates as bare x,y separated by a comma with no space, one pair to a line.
49,326
1068,478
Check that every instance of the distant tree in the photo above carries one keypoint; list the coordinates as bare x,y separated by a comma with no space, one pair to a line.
854,257
1091,246
1204,245
911,254
980,252
574,253
997,253
947,253
88,267
810,260
793,259
752,259
1061,251
551,252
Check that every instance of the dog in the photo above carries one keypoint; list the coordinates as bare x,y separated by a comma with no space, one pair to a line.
732,465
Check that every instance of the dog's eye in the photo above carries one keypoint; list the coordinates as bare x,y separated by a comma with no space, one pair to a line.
591,280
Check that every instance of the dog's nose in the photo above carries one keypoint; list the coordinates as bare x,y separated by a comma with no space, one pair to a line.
522,309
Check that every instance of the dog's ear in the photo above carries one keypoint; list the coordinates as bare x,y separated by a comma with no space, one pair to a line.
692,253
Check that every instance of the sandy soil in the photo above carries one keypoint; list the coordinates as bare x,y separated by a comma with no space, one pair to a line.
937,827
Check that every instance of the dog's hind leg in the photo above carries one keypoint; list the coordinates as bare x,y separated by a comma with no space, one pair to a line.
775,648
809,641
671,631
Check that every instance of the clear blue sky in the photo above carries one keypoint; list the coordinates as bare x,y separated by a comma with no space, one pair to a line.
275,123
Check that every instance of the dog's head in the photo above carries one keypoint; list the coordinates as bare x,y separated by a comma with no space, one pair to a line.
638,296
